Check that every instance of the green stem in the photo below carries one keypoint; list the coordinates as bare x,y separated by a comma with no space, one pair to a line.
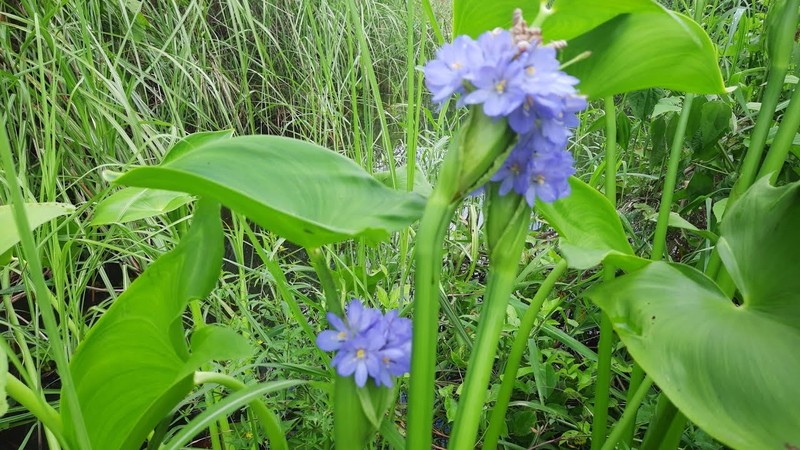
42,294
269,421
780,147
659,241
36,405
351,427
637,375
629,415
779,66
659,432
497,419
604,347
428,250
758,138
320,264
504,260
660,238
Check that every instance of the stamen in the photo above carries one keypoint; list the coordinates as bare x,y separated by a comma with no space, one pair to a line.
500,87
360,353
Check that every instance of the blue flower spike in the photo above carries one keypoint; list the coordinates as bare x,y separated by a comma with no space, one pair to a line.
368,344
513,75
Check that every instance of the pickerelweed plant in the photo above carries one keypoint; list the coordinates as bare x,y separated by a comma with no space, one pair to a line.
522,100
719,340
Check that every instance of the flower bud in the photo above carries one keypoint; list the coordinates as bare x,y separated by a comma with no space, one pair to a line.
481,146
507,216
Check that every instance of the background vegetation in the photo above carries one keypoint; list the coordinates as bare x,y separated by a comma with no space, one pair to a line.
88,86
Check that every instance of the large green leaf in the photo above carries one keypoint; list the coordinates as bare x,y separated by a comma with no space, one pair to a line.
760,245
473,17
195,140
644,50
634,44
588,225
301,191
131,204
571,18
730,369
135,366
38,213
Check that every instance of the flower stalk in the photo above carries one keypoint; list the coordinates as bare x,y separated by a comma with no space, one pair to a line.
508,219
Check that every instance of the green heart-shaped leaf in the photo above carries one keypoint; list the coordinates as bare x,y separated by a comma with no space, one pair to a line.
572,18
644,50
589,227
301,191
135,366
569,18
473,17
621,36
760,244
131,204
730,369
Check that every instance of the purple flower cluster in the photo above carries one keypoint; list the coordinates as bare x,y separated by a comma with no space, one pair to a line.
513,76
368,343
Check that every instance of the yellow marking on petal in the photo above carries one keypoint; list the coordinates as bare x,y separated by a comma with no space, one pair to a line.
456,66
530,70
500,87
360,353
540,179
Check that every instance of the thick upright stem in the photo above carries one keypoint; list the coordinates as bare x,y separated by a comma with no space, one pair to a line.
780,147
659,241
515,356
320,265
502,273
629,415
603,385
426,318
780,56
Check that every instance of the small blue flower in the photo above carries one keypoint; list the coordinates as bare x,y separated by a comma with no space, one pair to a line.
445,75
369,344
498,88
497,47
514,76
359,320
359,356
514,172
549,176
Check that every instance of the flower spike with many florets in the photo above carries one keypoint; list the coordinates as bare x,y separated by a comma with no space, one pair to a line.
513,75
368,344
